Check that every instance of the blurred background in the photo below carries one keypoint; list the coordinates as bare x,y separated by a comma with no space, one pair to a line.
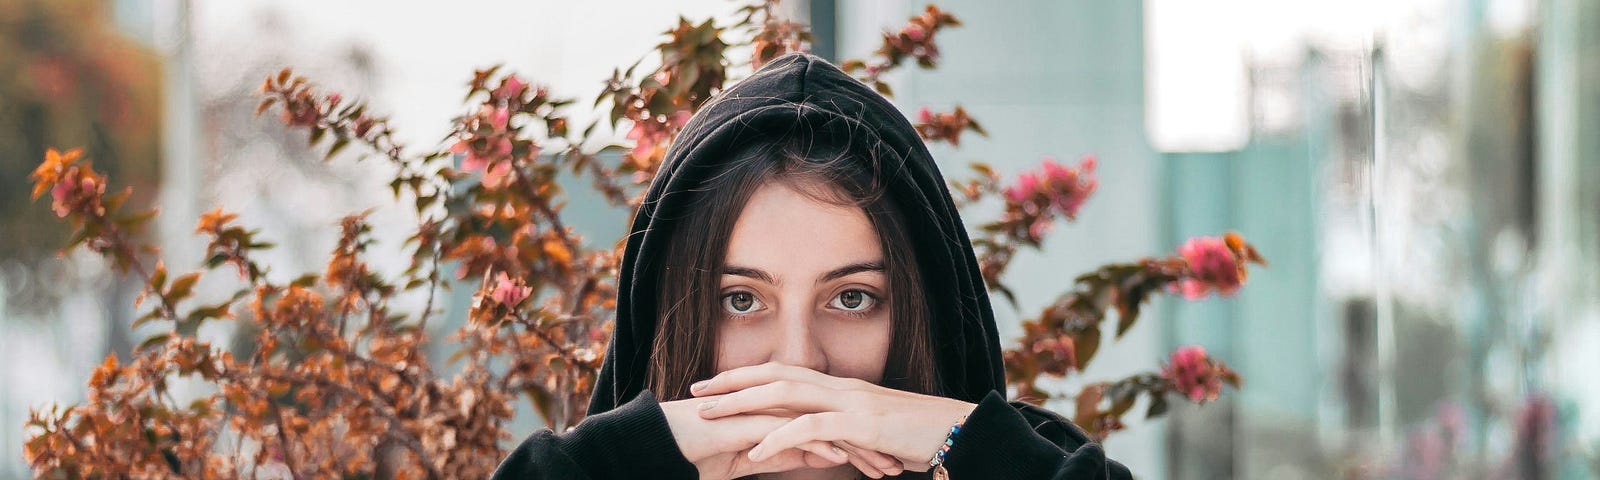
1424,176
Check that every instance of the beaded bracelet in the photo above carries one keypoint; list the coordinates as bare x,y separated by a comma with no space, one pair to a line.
937,464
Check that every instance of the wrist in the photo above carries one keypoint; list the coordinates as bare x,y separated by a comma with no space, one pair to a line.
951,433
683,420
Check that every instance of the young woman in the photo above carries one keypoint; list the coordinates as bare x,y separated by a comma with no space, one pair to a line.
799,300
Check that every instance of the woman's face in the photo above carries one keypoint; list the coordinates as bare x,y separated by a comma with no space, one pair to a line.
804,284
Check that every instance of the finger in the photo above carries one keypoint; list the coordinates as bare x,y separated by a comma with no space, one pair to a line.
750,376
825,451
740,432
866,468
788,395
812,455
781,462
813,460
887,464
825,426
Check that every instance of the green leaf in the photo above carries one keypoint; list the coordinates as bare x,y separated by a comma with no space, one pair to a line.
883,88
1122,397
305,281
159,278
337,146
135,220
1088,343
154,340
209,312
188,327
182,286
542,403
1158,405
973,125
200,406
1011,297
1125,318
216,259
153,314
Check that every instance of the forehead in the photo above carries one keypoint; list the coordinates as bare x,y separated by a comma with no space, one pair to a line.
781,229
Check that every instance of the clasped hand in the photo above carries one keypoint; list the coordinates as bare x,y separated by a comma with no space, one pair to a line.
775,417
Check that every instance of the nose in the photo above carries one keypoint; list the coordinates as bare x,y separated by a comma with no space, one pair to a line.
798,343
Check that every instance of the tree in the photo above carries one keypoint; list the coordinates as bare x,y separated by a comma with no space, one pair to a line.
333,382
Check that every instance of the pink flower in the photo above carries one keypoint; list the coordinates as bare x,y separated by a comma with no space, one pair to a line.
1067,188
498,118
70,190
644,139
1039,227
914,32
1057,173
509,292
1193,374
511,87
471,161
61,197
494,165
678,119
497,176
1212,267
1027,186
924,115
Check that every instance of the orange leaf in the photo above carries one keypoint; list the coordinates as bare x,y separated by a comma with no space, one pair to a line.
557,251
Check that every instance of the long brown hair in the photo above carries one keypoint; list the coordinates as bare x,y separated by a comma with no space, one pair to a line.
689,304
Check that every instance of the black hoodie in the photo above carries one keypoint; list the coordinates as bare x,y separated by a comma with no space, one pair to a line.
626,435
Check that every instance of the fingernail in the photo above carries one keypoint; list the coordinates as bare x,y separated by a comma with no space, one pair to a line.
754,453
698,386
839,452
708,405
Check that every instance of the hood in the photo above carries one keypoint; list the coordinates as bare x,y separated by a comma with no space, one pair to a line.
801,91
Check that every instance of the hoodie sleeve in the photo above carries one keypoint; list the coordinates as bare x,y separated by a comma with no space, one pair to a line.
631,441
1001,440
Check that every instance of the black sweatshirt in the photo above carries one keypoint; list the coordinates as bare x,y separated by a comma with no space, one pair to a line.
626,434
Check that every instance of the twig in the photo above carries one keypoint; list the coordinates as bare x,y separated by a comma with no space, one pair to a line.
397,426
433,284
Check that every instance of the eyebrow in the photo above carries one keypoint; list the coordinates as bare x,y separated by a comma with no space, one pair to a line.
837,273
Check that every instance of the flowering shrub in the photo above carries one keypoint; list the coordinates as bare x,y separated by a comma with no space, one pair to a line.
330,381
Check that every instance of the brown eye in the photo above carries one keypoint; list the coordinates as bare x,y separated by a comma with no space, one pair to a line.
740,302
854,301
